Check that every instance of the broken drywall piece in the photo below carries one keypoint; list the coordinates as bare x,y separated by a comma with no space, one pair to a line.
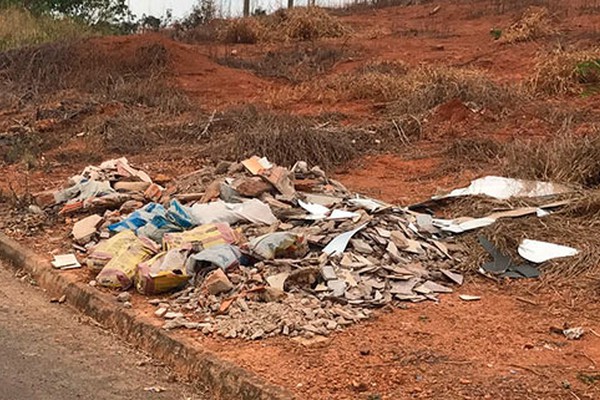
342,214
256,164
340,242
538,252
504,188
316,210
65,261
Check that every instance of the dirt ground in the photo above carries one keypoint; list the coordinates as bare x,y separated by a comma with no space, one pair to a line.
499,347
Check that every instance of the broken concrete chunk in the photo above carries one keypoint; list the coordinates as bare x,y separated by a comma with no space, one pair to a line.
328,273
85,229
161,312
123,297
278,280
453,276
217,282
338,287
432,287
361,246
131,186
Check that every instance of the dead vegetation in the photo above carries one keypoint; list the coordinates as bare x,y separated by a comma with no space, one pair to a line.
29,74
534,23
295,64
287,25
402,90
567,72
567,158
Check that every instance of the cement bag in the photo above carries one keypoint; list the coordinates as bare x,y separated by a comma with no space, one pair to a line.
162,273
279,245
202,237
107,249
120,270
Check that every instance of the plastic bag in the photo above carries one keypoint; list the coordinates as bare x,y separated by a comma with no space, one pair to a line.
163,273
279,245
223,256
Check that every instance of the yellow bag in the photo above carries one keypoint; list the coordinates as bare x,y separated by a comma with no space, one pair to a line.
120,270
163,273
202,237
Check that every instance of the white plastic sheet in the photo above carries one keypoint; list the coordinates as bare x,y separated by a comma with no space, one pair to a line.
539,252
505,188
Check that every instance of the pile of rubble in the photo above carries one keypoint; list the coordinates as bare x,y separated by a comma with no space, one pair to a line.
254,250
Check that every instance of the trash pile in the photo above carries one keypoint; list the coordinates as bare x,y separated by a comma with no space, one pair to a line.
253,249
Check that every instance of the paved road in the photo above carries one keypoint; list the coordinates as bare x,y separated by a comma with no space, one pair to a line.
51,352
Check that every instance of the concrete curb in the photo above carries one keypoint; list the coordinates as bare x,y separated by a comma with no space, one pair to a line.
223,379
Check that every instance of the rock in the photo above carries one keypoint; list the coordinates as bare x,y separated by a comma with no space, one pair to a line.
231,334
328,273
173,315
154,302
130,206
174,323
92,283
192,325
123,297
131,186
251,186
217,282
34,209
161,312
331,325
257,334
270,294
127,305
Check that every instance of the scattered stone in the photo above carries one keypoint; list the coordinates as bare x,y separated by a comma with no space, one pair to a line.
127,305
123,297
161,312
92,283
573,333
173,315
154,302
174,323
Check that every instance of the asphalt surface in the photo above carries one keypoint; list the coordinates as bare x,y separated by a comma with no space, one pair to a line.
49,351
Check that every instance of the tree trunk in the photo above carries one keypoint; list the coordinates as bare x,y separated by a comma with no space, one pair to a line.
290,4
246,8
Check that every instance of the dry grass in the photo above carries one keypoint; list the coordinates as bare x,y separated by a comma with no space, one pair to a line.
29,74
567,158
246,30
296,64
296,24
19,28
283,138
534,23
413,92
566,72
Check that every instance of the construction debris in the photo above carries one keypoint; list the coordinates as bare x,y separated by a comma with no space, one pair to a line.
539,252
253,250
65,261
